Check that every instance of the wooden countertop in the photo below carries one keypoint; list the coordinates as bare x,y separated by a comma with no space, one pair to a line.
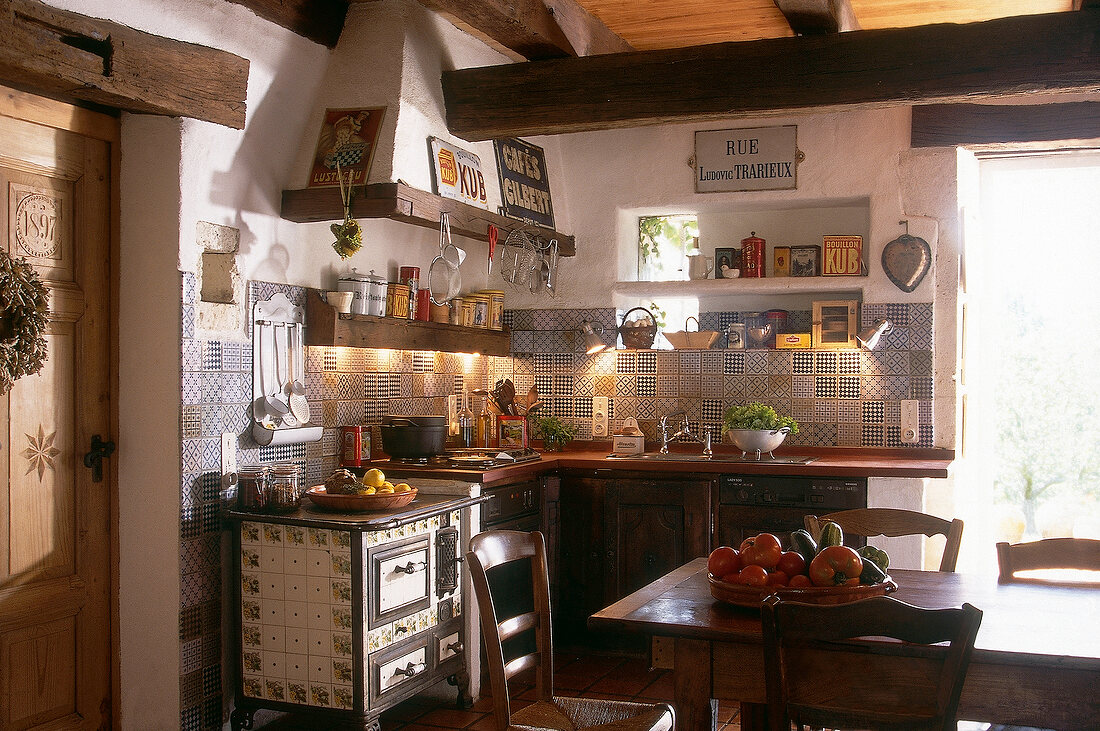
828,462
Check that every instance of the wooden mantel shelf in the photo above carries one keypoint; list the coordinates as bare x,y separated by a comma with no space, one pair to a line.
324,326
402,203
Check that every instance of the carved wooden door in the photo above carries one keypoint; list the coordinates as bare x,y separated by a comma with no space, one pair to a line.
55,575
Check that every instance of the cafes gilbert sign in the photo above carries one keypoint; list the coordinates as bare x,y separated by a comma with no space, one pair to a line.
756,158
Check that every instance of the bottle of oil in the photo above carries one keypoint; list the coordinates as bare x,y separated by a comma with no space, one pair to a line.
484,425
467,426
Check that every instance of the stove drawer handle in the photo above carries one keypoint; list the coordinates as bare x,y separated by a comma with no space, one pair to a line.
410,567
409,670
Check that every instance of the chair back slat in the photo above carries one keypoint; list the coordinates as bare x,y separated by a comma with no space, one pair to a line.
497,548
817,673
894,522
1049,553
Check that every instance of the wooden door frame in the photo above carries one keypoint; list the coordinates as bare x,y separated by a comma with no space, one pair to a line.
40,110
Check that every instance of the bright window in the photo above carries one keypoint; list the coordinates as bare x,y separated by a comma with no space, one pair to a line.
663,243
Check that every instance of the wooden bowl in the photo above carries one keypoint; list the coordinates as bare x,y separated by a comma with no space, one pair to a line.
751,596
359,503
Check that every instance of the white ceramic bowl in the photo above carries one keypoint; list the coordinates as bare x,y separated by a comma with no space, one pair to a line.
751,440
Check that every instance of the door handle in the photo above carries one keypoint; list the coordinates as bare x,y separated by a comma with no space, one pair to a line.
94,458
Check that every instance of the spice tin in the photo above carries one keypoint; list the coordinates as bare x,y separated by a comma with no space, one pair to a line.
354,446
481,310
466,309
456,310
410,277
423,305
496,308
752,256
397,300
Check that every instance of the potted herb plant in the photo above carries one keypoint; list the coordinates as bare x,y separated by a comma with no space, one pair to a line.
755,427
555,433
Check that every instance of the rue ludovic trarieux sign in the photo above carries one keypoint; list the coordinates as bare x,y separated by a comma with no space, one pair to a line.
757,158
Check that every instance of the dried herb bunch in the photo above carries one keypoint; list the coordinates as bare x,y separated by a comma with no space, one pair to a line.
24,306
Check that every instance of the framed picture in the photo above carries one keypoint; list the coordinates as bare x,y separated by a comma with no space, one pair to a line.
524,185
458,174
347,141
727,263
512,431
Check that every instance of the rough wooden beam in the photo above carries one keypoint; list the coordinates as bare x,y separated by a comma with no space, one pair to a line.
318,20
535,29
866,68
94,60
947,125
814,17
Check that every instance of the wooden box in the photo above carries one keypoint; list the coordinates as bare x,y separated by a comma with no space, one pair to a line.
835,323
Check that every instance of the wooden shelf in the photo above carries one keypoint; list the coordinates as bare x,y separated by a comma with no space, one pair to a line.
401,203
324,326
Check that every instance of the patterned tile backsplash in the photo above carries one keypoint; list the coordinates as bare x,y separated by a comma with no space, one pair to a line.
844,398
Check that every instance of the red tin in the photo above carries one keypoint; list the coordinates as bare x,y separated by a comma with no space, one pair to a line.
354,446
752,256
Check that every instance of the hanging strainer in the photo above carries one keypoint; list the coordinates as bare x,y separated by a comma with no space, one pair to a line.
444,279
518,257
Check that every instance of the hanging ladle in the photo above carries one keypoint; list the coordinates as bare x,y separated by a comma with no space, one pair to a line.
276,407
266,407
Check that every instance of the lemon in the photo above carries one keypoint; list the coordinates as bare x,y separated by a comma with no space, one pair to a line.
367,490
374,478
401,487
385,491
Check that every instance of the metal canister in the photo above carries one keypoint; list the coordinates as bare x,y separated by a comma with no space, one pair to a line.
752,256
467,309
397,300
354,445
496,308
360,285
410,277
376,304
481,309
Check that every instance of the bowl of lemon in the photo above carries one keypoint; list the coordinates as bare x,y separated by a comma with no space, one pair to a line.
344,492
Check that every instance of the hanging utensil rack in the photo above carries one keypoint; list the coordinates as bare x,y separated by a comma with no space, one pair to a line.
268,355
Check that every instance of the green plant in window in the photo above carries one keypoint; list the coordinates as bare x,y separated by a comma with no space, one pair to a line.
662,243
659,315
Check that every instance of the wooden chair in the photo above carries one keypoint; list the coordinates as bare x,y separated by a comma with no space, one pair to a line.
1049,553
492,550
894,522
875,684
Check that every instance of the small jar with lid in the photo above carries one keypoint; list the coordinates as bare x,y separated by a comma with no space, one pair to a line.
252,488
284,491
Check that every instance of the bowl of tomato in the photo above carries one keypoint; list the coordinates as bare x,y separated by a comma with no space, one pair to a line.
827,574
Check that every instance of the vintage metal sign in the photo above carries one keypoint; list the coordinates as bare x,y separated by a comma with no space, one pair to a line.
458,174
524,187
756,158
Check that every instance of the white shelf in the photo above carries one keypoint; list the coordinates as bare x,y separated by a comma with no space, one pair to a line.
725,287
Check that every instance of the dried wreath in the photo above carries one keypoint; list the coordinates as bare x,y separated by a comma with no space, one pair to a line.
23,311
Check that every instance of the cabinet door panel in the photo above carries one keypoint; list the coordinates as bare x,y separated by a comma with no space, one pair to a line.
583,587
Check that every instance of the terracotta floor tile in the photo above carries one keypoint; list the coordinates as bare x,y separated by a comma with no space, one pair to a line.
727,713
450,718
627,679
486,724
661,689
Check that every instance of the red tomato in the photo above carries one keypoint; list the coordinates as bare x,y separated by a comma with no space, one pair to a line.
723,560
753,576
791,563
762,550
800,580
777,578
836,565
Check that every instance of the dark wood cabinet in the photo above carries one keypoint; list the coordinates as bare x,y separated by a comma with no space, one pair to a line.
617,534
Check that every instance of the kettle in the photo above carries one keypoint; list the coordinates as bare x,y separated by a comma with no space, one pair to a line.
699,266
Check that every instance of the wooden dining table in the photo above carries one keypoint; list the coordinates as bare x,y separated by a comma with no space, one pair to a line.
1036,659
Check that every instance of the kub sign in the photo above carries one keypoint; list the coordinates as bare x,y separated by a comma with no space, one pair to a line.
757,158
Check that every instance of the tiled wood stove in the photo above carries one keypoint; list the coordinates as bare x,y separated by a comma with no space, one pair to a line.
345,615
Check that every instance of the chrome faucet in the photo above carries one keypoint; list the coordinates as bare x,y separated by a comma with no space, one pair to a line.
684,430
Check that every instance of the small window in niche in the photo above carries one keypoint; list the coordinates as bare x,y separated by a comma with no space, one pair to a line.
663,243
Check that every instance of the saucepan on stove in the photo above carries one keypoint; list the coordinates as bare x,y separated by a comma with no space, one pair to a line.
414,436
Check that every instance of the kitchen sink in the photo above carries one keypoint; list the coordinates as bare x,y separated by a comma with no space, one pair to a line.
688,457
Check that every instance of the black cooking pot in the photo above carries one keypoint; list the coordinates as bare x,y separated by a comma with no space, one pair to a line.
414,436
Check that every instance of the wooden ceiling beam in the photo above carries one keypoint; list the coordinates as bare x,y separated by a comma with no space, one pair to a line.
87,59
948,125
535,29
815,17
320,21
1056,52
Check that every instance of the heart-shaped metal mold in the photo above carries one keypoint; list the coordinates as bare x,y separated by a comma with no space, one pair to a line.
906,260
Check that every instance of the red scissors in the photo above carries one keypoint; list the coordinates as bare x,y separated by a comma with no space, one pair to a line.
492,245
